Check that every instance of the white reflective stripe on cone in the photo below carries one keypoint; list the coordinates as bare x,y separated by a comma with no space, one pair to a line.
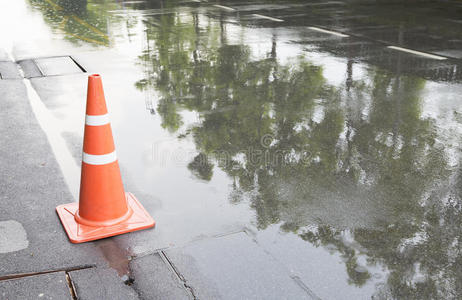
99,159
97,120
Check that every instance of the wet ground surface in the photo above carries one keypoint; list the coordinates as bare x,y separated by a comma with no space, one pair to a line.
323,135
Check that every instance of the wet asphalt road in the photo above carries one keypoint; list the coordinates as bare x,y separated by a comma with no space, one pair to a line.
324,136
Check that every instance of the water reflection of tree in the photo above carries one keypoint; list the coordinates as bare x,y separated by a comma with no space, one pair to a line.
291,141
79,20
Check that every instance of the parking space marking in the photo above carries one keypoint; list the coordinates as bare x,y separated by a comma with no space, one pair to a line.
224,7
417,52
328,31
268,18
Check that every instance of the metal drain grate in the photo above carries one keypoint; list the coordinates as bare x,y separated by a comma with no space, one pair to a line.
51,66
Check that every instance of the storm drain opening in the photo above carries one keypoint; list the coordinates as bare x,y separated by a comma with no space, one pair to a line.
51,66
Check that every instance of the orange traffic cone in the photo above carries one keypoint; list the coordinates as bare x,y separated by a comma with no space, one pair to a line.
104,209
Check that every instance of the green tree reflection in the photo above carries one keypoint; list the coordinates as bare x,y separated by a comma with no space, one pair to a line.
305,152
80,21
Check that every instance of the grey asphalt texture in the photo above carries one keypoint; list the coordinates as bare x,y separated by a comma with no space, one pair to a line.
235,267
32,186
100,283
43,286
156,279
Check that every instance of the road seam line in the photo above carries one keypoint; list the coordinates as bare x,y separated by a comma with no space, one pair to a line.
180,276
71,286
22,275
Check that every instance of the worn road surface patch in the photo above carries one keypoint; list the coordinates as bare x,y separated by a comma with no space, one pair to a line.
13,237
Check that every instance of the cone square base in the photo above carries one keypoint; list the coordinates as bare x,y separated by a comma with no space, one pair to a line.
78,233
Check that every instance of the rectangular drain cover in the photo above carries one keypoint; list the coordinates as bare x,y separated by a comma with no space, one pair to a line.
61,65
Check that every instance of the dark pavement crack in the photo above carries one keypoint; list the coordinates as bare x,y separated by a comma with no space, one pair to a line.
21,275
179,275
70,284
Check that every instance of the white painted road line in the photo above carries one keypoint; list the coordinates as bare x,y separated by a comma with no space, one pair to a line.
417,53
224,7
268,18
328,31
133,2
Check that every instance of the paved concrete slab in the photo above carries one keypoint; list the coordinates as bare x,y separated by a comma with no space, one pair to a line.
234,267
319,268
57,66
30,69
155,279
100,283
32,186
44,286
9,70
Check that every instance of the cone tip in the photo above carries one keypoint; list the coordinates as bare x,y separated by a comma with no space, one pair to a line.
94,76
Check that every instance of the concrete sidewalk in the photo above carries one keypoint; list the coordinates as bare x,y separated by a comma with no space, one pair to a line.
32,240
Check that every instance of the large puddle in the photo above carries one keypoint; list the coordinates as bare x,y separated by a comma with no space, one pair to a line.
341,155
